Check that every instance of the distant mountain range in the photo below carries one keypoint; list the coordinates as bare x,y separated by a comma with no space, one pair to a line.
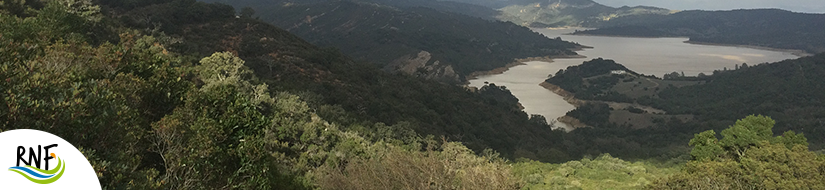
562,13
760,27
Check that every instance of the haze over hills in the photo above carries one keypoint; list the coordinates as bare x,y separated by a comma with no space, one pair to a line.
805,6
563,13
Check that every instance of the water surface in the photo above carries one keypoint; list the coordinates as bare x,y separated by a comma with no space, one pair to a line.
649,56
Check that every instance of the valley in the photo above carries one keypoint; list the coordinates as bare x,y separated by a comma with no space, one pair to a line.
648,56
417,94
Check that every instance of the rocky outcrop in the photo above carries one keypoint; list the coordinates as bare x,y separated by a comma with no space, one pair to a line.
568,96
422,65
572,122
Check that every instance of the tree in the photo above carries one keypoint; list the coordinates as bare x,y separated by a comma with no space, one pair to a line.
83,8
747,133
705,146
221,68
749,157
247,12
672,76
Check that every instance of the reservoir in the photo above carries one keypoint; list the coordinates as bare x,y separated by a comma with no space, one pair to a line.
649,56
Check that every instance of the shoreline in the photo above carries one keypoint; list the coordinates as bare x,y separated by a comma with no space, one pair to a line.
573,123
570,122
517,62
626,36
496,71
567,96
796,52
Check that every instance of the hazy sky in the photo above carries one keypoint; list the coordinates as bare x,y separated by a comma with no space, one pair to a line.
810,6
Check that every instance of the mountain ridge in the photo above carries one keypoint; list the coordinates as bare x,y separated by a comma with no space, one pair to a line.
773,28
562,13
456,44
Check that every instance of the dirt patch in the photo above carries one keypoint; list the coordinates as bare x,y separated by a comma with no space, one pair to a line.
573,123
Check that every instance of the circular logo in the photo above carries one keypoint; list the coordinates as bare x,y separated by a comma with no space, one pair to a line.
39,160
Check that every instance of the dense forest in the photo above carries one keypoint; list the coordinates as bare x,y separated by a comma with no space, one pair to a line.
188,95
444,6
355,94
760,27
388,35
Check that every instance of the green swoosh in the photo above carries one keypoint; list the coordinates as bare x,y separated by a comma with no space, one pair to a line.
45,181
52,171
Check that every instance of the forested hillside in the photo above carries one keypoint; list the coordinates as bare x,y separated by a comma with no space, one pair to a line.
156,102
785,91
414,40
185,95
444,6
761,27
788,91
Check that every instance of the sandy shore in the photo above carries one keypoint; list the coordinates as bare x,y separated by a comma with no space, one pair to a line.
796,52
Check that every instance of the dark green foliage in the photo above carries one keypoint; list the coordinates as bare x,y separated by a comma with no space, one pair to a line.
498,95
101,99
787,91
748,157
148,117
592,114
21,8
381,34
591,80
705,146
485,119
169,16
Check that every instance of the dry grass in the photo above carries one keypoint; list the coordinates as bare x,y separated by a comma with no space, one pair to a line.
455,167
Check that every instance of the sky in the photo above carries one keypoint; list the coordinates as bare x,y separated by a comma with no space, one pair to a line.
808,6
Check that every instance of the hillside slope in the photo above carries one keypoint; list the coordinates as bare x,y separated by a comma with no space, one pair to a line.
354,93
414,40
787,91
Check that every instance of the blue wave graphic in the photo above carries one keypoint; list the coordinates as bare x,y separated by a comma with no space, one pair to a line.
31,172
